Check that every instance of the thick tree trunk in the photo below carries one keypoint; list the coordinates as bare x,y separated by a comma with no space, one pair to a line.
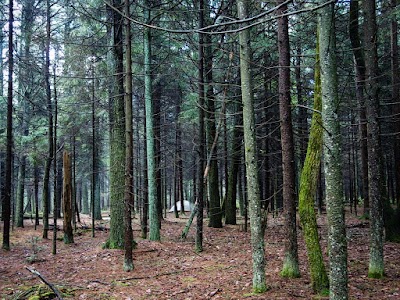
308,188
25,76
117,136
250,145
291,261
337,245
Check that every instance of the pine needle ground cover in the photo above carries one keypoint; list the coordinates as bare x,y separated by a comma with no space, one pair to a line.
170,269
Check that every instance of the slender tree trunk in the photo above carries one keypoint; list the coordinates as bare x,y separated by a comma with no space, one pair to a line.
250,145
291,261
236,153
337,245
145,198
360,85
94,158
96,141
154,219
310,176
85,191
36,191
56,174
215,212
47,168
128,197
7,184
157,145
376,191
201,150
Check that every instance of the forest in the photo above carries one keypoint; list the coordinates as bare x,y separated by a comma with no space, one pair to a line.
268,167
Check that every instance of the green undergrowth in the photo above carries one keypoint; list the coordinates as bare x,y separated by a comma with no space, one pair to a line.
43,292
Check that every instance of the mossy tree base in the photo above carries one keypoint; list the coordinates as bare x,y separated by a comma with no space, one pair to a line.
111,245
375,272
259,289
128,265
290,269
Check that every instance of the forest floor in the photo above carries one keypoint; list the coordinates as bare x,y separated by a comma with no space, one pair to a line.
170,269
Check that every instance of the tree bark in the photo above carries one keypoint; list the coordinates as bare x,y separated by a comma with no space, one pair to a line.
250,145
201,150
117,136
47,168
154,220
128,197
67,199
215,212
376,191
236,145
7,184
360,85
337,243
291,260
308,188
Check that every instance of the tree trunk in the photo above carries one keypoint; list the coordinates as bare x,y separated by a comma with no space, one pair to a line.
154,220
250,145
291,260
360,85
96,140
376,191
128,197
26,84
7,184
36,191
201,150
308,188
47,168
56,173
236,153
67,199
337,243
117,136
215,212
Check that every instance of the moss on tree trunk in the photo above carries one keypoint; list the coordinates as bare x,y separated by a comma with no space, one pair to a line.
308,188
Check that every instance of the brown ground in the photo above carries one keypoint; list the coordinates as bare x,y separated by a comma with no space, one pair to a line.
170,269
